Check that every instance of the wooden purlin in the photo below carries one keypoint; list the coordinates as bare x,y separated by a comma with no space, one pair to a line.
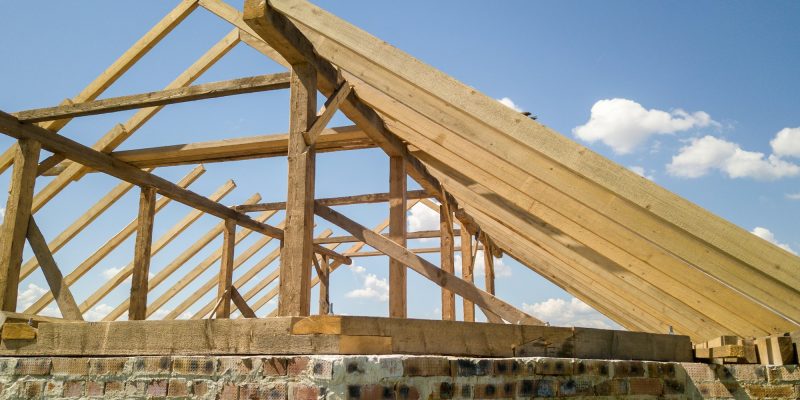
109,246
203,91
119,66
675,224
233,149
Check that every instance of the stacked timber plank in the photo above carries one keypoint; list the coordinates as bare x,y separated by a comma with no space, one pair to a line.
779,349
341,335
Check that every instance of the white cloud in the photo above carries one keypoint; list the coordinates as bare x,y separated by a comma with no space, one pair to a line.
372,287
707,153
639,170
422,218
159,314
98,312
186,315
109,273
624,124
510,104
32,293
560,312
767,235
793,196
501,270
786,142
50,311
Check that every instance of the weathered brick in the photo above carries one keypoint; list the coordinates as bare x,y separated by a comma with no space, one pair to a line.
783,374
470,367
276,391
32,366
713,389
611,387
645,386
95,388
699,372
526,388
53,388
322,369
628,369
661,370
747,372
576,387
354,365
32,389
114,387
674,386
157,388
464,390
591,367
306,392
507,367
152,366
426,366
250,391
178,388
70,366
390,367
370,392
192,366
73,388
107,366
554,366
274,366
494,391
228,391
297,365
236,365
546,387
785,391
406,392
136,387
200,388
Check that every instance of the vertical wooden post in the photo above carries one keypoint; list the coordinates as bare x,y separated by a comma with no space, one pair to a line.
488,265
448,260
295,268
467,266
226,270
141,254
15,221
397,232
323,273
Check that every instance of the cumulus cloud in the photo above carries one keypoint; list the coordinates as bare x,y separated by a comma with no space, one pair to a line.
767,235
501,270
624,124
98,312
372,287
560,312
786,142
793,196
708,153
510,104
159,314
639,170
422,218
31,293
109,273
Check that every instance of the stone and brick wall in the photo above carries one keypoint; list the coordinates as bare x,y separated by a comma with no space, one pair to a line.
386,377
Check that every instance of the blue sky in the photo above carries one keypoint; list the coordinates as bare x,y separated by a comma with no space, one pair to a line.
691,94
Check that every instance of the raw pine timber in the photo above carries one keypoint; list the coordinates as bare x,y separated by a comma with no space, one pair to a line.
246,148
565,179
15,223
337,334
337,201
55,279
295,288
397,233
141,254
170,96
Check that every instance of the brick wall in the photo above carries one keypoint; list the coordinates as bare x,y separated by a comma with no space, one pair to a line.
386,377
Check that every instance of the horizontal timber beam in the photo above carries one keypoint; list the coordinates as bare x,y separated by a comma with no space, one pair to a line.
410,235
103,162
334,201
421,250
235,149
170,96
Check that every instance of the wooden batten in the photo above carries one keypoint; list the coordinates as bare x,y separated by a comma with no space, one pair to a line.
141,254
